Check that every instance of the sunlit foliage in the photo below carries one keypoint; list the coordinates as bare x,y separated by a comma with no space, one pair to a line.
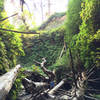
73,19
10,49
85,43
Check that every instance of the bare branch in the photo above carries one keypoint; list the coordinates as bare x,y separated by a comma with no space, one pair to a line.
37,62
9,17
72,67
33,32
97,79
95,90
49,73
90,97
91,70
90,75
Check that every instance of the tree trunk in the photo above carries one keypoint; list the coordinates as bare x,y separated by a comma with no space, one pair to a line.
6,81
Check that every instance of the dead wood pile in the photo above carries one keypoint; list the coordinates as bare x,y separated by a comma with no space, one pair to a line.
82,84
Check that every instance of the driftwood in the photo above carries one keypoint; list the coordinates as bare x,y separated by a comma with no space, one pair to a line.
41,89
36,84
49,73
52,91
6,82
31,86
39,92
79,83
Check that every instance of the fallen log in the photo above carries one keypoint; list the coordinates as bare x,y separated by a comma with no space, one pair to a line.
51,94
36,84
52,91
6,81
35,76
32,87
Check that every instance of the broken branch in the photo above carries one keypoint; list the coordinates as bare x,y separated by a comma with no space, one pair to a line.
33,32
52,91
9,17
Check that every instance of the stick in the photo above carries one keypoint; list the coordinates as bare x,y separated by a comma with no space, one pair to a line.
90,97
9,17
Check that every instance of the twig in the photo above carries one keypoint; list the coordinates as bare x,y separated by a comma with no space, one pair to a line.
37,62
91,69
94,79
94,90
90,97
89,75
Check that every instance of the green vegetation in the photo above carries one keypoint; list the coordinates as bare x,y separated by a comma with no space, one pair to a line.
89,32
48,44
84,42
10,45
80,34
10,49
73,20
54,21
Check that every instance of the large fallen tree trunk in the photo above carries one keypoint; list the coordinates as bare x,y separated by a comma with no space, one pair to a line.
6,82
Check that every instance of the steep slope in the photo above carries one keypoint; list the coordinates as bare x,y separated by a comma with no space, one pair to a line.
54,21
